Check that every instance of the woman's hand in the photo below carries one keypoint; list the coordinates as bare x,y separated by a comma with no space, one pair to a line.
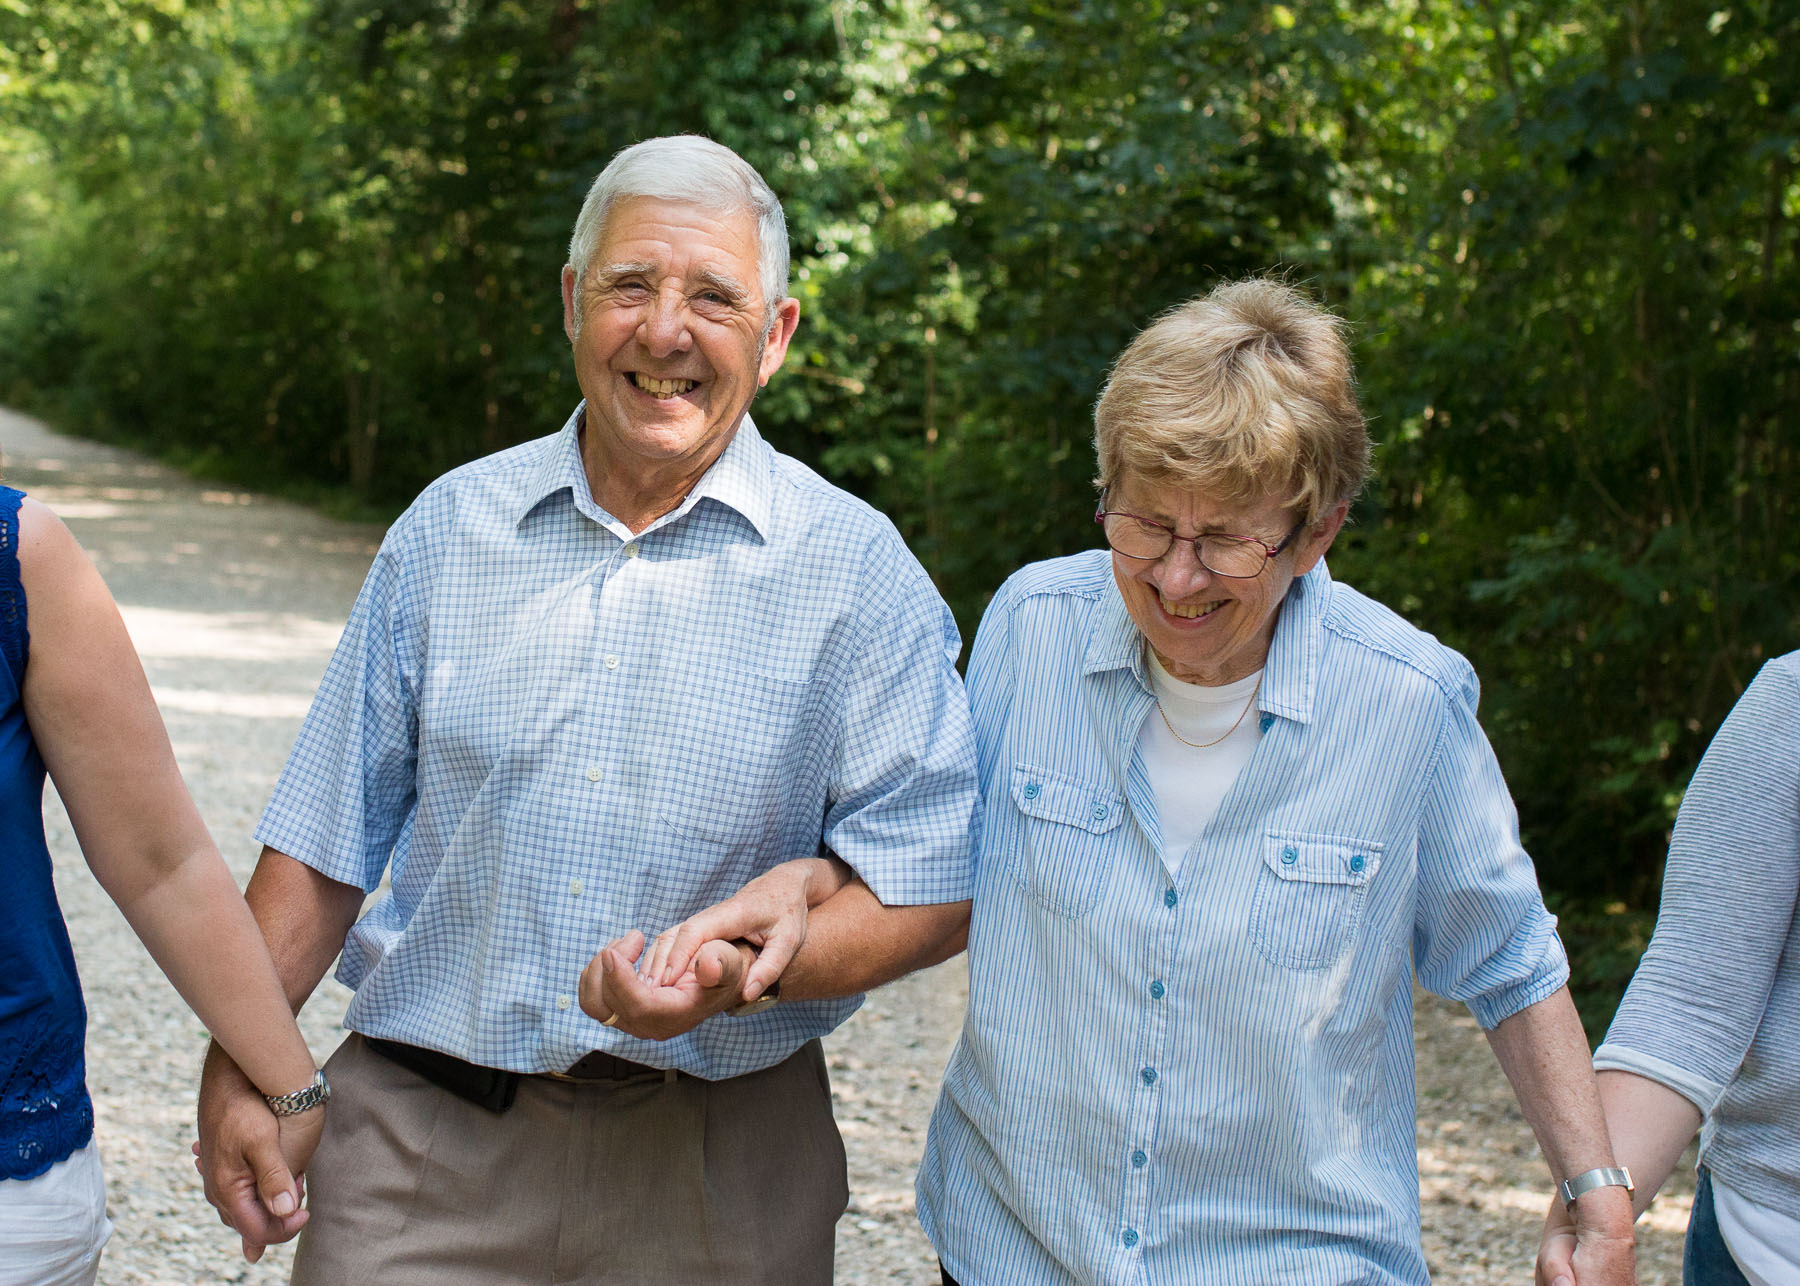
1600,1252
769,913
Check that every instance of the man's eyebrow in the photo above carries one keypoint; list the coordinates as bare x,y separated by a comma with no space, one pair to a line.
614,271
729,286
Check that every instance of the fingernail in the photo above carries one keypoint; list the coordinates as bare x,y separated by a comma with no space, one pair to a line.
284,1204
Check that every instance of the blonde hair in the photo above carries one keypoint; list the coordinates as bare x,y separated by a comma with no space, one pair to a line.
1244,393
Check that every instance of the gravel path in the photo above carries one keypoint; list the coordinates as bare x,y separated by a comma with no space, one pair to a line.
235,602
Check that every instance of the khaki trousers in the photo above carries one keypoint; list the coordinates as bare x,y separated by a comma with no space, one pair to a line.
606,1183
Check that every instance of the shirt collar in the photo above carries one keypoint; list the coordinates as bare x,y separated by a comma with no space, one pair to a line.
1113,643
742,478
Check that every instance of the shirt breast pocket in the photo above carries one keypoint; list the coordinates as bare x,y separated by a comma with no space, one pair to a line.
1310,896
1066,843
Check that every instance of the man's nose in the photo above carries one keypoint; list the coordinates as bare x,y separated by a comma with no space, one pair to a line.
664,328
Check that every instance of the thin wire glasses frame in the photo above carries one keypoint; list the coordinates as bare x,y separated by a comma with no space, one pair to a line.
1209,547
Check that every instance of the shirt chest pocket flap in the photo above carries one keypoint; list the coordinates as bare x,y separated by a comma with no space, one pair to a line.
1067,841
1309,897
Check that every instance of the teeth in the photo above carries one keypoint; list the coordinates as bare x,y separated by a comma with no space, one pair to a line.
1188,611
662,388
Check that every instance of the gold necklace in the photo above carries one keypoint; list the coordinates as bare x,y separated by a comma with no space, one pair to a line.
1207,745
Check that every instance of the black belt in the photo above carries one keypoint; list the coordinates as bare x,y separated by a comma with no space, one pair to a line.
494,1088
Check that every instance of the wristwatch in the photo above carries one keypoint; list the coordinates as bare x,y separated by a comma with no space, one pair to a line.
1606,1176
299,1101
765,1001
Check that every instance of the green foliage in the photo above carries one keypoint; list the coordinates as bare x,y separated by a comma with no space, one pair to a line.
316,242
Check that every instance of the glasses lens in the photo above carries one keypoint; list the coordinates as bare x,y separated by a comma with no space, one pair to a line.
1136,538
1231,556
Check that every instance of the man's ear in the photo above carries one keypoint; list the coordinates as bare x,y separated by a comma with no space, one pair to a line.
568,294
775,347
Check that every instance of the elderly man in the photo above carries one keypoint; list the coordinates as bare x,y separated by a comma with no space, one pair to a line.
592,685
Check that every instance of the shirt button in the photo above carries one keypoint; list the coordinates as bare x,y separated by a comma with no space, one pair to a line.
631,551
1100,811
575,887
1157,991
1139,1160
1290,855
593,773
1358,862
1032,789
1130,1238
562,1002
1265,723
1149,1075
612,662
1169,898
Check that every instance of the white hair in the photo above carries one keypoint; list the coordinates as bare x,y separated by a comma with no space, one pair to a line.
696,171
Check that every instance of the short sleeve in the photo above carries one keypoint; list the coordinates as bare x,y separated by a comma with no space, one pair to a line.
1481,934
349,784
903,794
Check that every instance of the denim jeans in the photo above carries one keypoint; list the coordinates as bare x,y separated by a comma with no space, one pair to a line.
1705,1261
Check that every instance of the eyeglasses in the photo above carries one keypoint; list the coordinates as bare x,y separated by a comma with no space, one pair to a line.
1233,557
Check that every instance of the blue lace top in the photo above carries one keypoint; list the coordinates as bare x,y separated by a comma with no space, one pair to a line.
45,1113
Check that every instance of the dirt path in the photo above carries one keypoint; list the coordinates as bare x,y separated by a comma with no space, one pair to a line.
235,602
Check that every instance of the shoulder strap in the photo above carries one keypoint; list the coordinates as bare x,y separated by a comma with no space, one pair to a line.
15,640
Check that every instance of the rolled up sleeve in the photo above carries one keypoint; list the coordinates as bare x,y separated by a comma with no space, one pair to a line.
1482,935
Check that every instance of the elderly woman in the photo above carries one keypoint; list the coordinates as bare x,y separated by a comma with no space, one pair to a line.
1231,807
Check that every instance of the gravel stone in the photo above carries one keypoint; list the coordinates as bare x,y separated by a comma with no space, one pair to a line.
235,601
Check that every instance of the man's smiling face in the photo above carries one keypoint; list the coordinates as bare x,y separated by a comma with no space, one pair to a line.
672,342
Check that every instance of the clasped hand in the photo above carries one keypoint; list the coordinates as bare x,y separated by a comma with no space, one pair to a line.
724,956
250,1160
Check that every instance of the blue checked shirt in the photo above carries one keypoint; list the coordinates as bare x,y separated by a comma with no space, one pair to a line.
1209,1077
549,731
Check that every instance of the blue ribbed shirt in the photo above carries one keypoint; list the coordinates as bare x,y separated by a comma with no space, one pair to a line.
549,731
45,1112
1208,1077
1713,1011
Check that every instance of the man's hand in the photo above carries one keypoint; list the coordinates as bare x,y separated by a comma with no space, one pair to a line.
249,1158
769,913
613,991
1595,1254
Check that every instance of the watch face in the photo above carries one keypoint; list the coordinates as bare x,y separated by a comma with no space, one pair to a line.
765,1001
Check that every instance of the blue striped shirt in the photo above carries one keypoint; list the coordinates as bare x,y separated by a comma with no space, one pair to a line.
549,731
1209,1076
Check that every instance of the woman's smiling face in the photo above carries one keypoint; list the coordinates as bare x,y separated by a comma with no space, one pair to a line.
1206,628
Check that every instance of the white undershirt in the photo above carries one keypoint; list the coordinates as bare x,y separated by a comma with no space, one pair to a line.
1190,782
1764,1242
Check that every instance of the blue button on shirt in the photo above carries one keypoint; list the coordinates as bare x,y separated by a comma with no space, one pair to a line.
549,731
1369,834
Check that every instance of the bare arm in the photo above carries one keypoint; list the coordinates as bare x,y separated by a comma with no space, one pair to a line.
103,741
304,917
854,943
1545,1056
1650,1126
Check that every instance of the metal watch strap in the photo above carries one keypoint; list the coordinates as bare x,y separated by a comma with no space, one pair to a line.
1606,1176
299,1101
